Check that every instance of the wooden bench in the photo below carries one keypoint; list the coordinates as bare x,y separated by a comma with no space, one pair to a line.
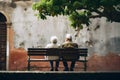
81,52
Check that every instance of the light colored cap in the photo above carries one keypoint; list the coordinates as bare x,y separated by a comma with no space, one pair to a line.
53,39
68,36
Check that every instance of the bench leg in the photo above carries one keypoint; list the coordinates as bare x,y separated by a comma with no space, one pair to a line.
28,64
85,64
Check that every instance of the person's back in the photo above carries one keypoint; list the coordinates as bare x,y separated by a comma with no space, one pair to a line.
69,45
53,44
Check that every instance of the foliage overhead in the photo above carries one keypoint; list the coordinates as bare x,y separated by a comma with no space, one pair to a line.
79,11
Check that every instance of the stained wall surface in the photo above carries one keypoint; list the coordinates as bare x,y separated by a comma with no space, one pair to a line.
102,37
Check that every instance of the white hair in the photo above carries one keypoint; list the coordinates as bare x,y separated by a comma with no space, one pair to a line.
68,36
54,39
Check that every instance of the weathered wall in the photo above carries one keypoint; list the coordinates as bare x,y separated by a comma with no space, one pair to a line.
105,36
102,38
31,32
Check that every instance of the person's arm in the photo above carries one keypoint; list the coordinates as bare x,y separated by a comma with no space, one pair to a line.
46,57
75,45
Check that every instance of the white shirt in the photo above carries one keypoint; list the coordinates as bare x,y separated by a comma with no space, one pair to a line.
51,45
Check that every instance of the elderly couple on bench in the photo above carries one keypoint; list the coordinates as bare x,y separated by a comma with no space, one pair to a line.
67,44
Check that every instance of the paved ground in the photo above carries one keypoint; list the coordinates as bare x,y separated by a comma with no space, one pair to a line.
58,75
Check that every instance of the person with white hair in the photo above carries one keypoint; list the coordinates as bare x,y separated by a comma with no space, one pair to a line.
69,44
53,44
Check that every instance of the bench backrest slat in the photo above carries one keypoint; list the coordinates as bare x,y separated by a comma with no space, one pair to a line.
56,51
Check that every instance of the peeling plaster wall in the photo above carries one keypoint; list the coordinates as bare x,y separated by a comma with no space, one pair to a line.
105,37
31,32
101,38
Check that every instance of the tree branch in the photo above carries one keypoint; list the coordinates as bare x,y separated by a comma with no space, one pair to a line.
95,16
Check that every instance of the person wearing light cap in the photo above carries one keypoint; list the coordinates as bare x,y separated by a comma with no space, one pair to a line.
53,44
68,36
69,44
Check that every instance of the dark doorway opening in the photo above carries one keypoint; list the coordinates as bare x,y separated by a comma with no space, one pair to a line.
3,41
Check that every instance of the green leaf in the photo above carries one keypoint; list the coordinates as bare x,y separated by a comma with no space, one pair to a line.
79,11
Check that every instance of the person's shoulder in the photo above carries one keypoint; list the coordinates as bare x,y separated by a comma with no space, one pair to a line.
58,45
75,43
64,43
48,45
67,45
